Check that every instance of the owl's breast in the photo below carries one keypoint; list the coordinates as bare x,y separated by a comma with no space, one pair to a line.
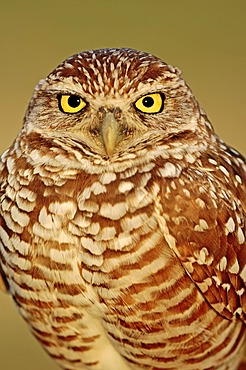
90,262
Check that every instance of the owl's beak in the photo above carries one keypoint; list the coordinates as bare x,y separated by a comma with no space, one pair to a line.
110,130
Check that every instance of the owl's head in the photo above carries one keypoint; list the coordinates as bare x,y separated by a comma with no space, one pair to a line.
114,101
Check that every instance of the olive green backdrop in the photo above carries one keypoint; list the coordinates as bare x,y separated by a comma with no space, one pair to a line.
206,39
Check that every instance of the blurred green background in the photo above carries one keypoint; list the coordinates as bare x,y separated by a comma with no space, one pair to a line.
206,40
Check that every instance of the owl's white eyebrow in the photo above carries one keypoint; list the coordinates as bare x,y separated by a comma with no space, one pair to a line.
57,92
68,86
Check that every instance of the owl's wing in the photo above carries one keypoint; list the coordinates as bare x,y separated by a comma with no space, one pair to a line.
204,220
3,281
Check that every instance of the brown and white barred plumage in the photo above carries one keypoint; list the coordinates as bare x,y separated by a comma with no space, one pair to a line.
131,257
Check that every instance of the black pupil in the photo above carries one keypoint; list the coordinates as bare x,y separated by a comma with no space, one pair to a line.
73,101
148,102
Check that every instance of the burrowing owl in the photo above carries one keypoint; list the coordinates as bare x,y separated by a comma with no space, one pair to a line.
122,220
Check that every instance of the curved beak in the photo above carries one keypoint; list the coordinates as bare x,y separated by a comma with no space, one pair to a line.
110,130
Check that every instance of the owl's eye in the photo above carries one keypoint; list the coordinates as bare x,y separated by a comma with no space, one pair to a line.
151,103
71,103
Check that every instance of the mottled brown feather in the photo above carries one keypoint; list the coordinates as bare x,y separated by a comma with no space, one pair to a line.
133,257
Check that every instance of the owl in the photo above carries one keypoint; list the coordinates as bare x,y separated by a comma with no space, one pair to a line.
122,220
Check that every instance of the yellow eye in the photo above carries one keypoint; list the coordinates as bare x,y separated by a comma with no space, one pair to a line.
151,103
71,103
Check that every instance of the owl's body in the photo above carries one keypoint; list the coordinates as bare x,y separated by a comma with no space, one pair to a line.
122,220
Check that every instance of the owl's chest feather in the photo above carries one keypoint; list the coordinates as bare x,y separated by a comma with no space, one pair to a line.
68,224
93,254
